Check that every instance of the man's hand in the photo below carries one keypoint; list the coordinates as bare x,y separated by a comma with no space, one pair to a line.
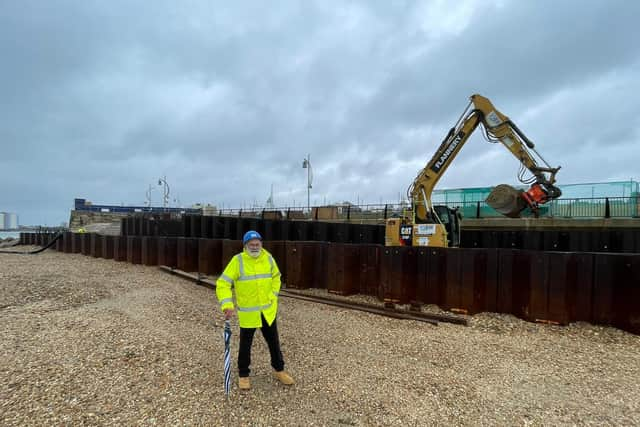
228,313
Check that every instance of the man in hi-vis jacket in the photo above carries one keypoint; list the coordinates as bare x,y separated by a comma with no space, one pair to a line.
255,276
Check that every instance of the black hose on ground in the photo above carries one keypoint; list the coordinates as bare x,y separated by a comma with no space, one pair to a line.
37,251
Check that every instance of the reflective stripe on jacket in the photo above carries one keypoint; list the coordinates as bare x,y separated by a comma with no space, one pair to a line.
256,282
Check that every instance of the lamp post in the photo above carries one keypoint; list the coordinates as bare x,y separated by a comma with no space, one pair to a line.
149,196
163,181
306,164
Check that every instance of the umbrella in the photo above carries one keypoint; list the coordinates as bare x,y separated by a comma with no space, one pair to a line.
227,357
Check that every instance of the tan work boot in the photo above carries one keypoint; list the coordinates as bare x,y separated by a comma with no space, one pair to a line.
244,383
284,378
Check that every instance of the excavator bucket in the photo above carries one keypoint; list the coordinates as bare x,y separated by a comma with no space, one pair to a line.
507,200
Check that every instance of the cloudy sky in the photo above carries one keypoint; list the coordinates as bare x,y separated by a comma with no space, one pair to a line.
101,98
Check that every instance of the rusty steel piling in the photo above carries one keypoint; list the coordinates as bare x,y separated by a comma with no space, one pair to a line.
552,286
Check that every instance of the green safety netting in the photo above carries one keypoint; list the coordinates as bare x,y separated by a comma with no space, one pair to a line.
578,200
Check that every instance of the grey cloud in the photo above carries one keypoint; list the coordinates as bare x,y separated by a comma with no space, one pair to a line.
102,98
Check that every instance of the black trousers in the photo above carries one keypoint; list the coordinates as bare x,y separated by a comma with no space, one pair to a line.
270,334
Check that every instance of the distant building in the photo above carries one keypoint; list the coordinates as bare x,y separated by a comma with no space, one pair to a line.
11,221
344,206
8,221
87,206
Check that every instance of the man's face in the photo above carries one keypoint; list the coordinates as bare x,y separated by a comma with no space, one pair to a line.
254,246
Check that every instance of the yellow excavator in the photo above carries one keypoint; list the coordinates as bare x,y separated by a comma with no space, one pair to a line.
427,225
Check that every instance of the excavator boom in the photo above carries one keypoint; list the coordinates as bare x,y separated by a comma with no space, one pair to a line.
498,128
509,201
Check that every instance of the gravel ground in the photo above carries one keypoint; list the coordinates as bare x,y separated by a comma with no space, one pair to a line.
91,341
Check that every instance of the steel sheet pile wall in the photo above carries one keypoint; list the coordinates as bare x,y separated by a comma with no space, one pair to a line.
107,246
306,265
343,268
134,249
547,286
95,245
537,286
85,244
613,240
233,228
471,280
76,243
206,227
278,248
229,249
398,268
120,248
187,254
66,242
210,256
369,273
167,251
274,230
149,248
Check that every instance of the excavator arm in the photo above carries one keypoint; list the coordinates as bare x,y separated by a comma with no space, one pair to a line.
498,128
430,225
420,190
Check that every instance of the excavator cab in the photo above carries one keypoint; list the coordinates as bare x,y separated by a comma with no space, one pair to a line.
450,219
442,229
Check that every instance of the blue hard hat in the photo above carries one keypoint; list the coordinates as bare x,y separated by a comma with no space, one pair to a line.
250,235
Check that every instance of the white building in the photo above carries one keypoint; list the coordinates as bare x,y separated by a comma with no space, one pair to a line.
11,221
8,221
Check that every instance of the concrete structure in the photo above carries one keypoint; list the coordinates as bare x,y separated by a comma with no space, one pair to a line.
83,218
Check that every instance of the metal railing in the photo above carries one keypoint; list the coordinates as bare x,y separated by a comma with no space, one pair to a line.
608,207
593,207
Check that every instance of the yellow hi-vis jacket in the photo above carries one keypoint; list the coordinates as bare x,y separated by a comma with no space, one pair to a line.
257,284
